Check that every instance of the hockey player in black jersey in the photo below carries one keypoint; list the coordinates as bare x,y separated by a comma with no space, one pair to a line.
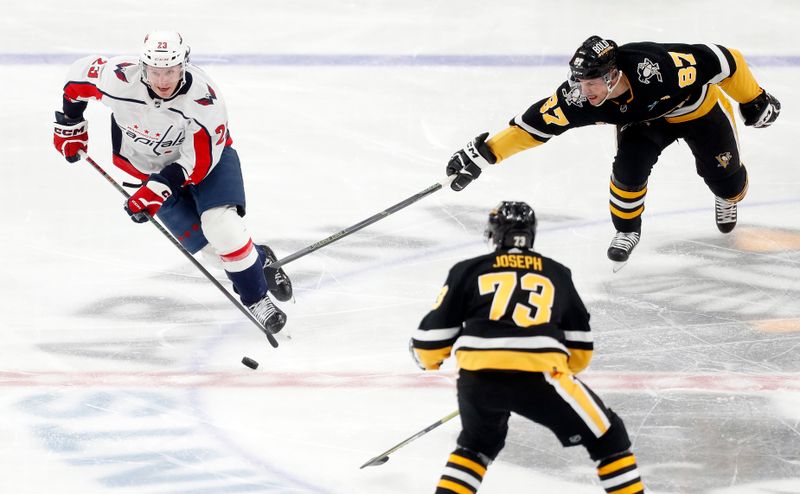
520,333
655,93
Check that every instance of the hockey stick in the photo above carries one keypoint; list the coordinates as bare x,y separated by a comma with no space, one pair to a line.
358,226
384,457
186,253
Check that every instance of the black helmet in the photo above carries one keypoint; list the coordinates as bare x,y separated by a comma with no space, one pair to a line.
595,58
511,224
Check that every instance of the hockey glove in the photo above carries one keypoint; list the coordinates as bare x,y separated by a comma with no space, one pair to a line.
70,135
151,195
414,355
762,111
467,163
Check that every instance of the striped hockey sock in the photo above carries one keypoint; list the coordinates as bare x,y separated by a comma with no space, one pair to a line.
626,206
463,473
620,475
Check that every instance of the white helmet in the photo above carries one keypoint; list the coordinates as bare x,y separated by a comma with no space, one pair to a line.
164,49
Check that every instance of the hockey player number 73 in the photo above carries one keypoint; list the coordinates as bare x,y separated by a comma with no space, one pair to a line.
504,283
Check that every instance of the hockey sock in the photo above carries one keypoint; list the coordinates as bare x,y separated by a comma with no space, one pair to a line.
243,267
619,474
626,205
463,473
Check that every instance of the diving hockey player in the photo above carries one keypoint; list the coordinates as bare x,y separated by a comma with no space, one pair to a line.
520,333
169,130
655,93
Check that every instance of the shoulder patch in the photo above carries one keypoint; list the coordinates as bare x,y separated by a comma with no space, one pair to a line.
120,71
209,99
647,70
573,96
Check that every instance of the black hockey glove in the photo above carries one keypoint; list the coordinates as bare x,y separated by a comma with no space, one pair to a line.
467,163
762,111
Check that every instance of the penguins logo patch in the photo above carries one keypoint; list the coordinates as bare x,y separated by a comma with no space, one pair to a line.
573,96
724,159
647,70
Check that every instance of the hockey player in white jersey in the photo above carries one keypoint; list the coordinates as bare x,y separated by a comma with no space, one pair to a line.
169,129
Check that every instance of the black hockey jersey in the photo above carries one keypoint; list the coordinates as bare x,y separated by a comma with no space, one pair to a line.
509,310
679,82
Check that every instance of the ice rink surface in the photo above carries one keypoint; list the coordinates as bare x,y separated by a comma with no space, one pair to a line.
120,364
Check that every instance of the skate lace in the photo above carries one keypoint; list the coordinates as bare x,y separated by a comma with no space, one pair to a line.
278,275
625,240
263,310
726,210
280,278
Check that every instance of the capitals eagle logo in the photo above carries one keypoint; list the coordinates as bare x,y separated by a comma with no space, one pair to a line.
209,99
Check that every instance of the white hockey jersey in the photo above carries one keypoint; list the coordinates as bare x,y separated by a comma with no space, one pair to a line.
190,128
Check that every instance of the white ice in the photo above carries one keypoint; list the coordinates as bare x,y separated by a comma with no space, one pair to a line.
120,364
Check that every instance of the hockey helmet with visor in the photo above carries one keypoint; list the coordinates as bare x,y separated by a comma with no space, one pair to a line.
511,225
163,62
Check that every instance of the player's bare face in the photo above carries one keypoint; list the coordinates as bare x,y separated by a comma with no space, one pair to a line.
163,80
595,90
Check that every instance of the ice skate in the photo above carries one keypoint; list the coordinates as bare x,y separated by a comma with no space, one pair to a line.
725,214
621,247
279,285
271,317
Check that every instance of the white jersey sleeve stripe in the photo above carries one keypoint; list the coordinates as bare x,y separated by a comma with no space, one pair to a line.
723,63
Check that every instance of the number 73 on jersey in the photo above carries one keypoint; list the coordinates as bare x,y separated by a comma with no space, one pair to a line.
505,283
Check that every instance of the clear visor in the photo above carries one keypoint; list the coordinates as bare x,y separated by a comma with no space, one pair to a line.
595,85
163,76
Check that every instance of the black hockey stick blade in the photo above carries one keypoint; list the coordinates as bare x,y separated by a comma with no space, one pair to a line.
378,460
384,457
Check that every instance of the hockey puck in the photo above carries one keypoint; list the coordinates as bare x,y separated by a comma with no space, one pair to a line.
250,362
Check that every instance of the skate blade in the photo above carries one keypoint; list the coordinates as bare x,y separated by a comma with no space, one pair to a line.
617,265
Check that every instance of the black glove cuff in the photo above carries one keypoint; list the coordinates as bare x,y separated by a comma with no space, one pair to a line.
73,109
174,176
62,119
752,110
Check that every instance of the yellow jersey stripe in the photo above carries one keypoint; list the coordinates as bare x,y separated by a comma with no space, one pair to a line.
712,96
512,360
432,359
579,359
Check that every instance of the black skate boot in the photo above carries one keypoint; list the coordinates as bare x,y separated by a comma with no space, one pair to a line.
267,314
725,214
278,284
622,245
